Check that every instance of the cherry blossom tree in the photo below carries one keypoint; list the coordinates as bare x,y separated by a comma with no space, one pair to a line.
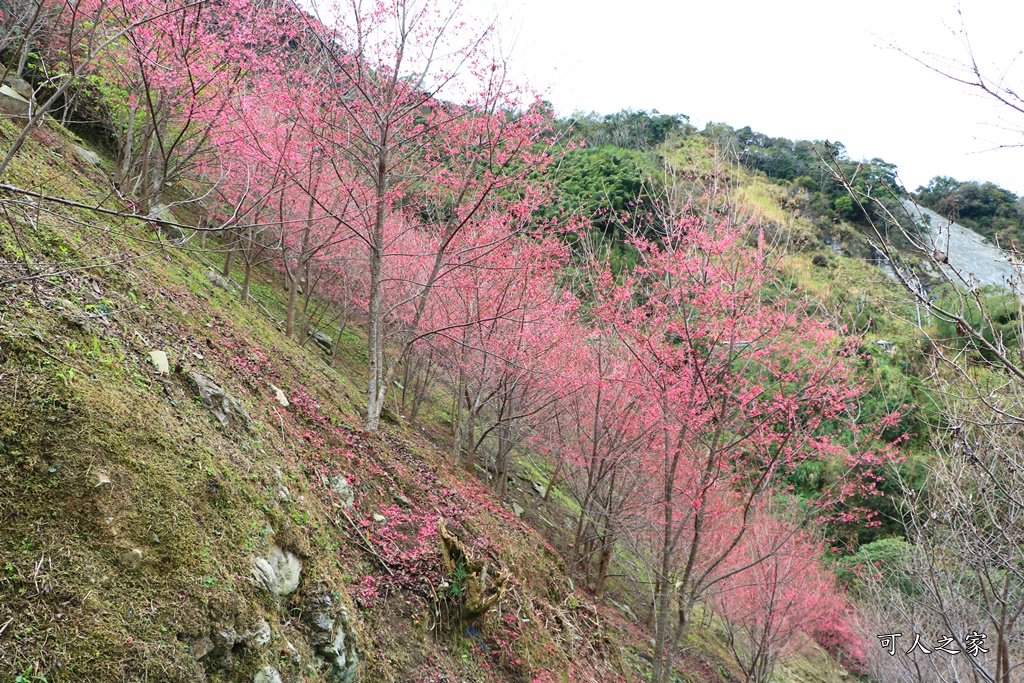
781,596
436,142
598,434
500,325
739,388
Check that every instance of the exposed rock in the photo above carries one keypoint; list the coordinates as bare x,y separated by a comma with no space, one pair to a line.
290,649
164,219
322,340
401,499
12,103
626,611
86,156
333,638
887,346
259,636
267,674
540,488
323,622
264,572
279,396
225,408
963,249
73,315
201,646
379,518
218,280
20,86
279,572
159,359
224,638
347,496
283,492
518,509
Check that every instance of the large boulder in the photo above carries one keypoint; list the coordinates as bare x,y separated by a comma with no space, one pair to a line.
86,156
218,280
13,104
20,86
322,340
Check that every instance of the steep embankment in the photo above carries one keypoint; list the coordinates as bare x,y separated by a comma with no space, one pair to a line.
185,494
221,517
968,252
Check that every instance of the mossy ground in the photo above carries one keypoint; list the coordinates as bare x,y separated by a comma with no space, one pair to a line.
129,518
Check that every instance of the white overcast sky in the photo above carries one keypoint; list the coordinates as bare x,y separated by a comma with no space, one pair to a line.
802,69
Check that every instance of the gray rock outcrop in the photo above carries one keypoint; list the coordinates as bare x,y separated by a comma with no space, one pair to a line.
346,495
13,104
964,250
218,280
20,86
279,572
226,639
228,411
267,674
86,156
322,340
166,222
333,638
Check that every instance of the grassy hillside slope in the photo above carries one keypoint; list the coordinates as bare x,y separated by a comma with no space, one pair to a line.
142,538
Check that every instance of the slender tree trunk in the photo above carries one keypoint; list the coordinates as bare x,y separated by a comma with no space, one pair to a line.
421,388
246,280
652,605
294,276
502,460
376,386
460,392
293,293
662,665
406,371
470,436
307,292
337,340
607,543
159,172
19,71
144,173
229,258
375,340
580,525
124,169
552,480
